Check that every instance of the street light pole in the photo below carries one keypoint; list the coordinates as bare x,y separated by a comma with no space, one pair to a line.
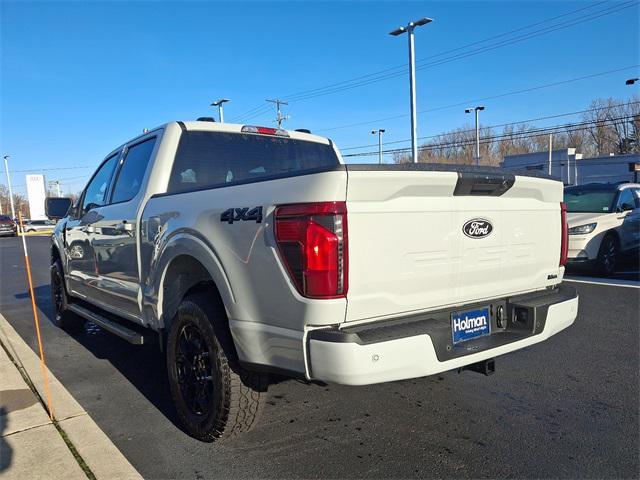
550,159
380,131
476,110
6,169
412,80
218,103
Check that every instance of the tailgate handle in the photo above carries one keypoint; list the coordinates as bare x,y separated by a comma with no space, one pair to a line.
483,184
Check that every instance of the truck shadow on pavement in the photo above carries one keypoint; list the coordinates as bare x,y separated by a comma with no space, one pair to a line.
144,366
6,452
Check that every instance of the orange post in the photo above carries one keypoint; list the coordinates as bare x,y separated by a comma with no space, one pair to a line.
43,367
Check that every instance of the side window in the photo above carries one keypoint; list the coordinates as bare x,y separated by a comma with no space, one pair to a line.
132,172
636,192
626,197
94,195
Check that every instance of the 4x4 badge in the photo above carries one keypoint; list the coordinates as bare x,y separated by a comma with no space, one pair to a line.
237,214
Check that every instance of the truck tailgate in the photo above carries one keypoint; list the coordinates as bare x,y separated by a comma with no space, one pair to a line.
408,251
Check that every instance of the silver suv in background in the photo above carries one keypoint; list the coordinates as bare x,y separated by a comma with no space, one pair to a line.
39,226
604,224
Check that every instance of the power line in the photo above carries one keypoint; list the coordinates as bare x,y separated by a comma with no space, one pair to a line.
63,179
552,28
462,47
393,71
503,137
491,97
35,169
548,117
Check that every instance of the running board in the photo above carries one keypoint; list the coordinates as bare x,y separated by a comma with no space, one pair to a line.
121,331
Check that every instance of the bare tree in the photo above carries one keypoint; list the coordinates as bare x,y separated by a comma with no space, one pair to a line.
613,126
20,203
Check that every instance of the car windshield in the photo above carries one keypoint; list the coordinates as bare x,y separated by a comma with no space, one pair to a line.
589,200
5,218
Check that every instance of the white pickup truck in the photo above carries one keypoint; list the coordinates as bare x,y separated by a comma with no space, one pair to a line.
252,250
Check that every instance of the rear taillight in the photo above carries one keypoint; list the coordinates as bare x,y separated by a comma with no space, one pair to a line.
312,240
564,243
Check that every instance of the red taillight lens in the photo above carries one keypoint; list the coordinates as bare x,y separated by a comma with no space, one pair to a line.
264,131
564,244
312,240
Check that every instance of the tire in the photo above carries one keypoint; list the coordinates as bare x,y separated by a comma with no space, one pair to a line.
608,255
62,317
215,398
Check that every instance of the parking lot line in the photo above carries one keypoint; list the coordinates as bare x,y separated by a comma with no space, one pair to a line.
604,281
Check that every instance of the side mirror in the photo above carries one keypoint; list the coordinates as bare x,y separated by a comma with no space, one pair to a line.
56,208
626,207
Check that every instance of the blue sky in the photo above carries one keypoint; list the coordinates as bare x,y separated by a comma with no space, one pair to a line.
79,78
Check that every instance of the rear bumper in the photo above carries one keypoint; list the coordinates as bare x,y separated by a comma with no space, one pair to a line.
419,346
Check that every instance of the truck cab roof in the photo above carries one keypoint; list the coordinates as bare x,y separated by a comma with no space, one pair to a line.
207,126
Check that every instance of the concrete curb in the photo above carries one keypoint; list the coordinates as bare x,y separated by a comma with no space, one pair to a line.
95,448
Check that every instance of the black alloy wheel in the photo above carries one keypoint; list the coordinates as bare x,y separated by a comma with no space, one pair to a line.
194,371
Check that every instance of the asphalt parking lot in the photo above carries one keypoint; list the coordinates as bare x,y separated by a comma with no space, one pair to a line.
564,408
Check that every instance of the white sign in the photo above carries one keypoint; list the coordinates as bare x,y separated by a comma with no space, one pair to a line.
36,193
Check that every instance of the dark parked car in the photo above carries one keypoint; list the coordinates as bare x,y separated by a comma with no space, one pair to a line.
7,226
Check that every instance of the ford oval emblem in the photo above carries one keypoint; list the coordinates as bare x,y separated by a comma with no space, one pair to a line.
477,228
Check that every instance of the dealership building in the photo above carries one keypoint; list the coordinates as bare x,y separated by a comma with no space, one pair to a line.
570,167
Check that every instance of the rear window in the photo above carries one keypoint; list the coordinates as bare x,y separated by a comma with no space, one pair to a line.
589,201
214,159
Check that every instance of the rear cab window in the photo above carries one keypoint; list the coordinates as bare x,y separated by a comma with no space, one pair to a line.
216,159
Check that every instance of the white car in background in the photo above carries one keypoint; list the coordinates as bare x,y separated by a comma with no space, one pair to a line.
604,224
39,226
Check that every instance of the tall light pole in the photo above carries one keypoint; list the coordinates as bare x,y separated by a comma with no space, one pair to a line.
476,110
218,103
380,131
6,169
412,80
550,159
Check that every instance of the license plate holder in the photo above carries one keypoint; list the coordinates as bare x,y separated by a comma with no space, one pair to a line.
470,324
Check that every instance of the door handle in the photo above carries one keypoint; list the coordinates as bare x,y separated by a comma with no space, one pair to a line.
126,226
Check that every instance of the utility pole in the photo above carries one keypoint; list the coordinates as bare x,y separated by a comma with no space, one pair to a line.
412,80
6,169
380,131
279,117
476,110
218,103
550,153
